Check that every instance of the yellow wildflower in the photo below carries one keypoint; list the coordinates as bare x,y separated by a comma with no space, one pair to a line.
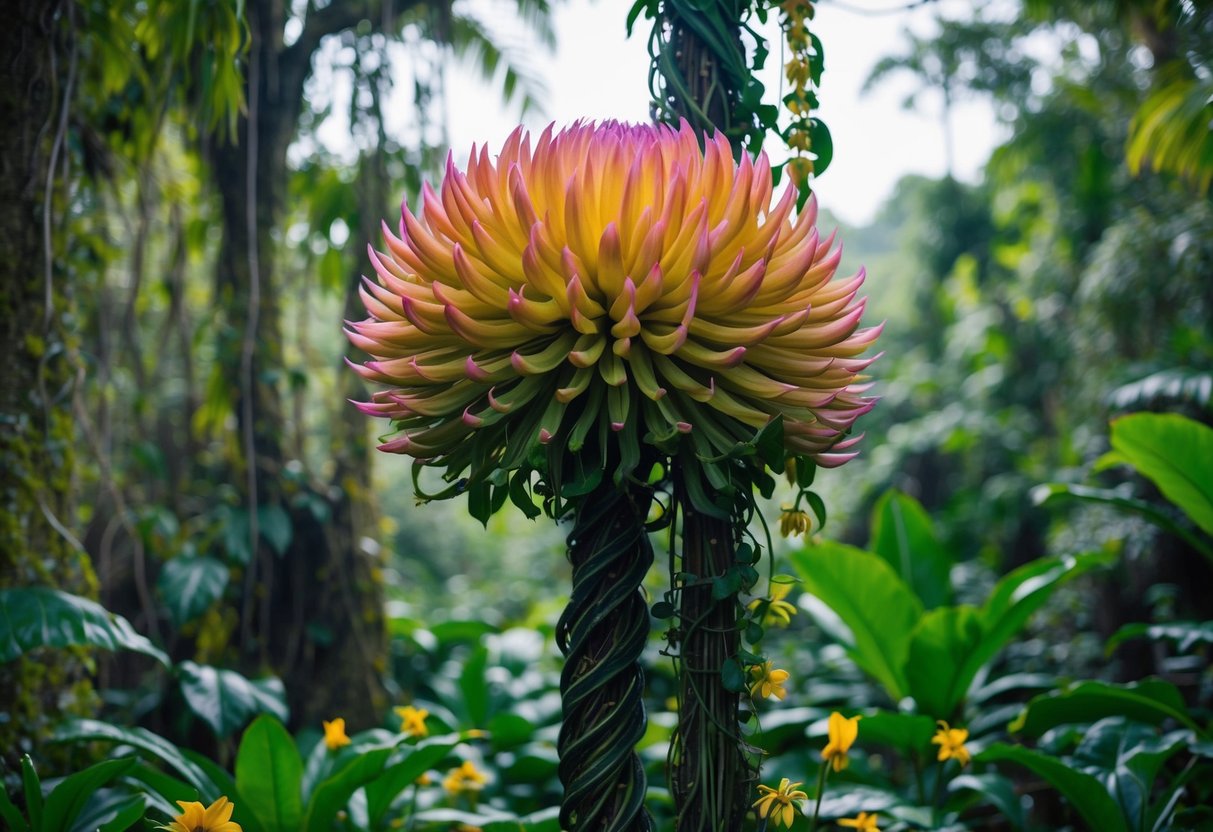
424,779
195,818
842,734
951,742
412,720
793,522
768,681
778,611
779,804
863,822
467,778
334,734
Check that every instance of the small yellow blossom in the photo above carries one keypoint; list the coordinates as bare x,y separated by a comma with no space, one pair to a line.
768,681
842,734
424,779
779,804
951,742
863,822
467,778
791,522
334,734
412,720
195,818
778,612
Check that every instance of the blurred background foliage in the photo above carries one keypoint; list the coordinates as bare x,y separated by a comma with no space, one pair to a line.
177,444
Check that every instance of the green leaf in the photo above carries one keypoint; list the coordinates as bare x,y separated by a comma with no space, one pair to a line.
69,797
117,814
190,585
274,526
994,789
226,700
732,676
33,792
1176,454
940,648
876,610
425,755
1084,792
1127,756
903,534
1013,600
269,774
1151,701
822,145
11,815
332,794
93,730
475,687
905,732
1185,634
34,617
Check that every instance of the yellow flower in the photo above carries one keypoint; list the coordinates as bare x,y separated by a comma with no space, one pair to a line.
793,523
424,779
951,742
778,804
467,778
412,720
195,818
768,681
863,822
334,734
640,279
842,734
778,611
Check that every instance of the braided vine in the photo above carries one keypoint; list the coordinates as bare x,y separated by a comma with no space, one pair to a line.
602,633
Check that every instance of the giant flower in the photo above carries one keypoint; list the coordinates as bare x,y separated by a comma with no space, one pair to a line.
610,285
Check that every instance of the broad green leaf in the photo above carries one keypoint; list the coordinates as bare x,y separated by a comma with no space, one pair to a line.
11,815
876,608
1084,792
905,732
93,730
1176,454
32,617
112,810
903,534
332,794
399,776
545,820
994,789
1185,634
32,787
163,790
1151,701
190,585
940,651
269,775
1013,600
226,700
68,798
1126,756
274,526
475,687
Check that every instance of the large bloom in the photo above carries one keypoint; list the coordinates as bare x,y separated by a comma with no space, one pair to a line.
610,281
842,733
779,805
951,742
195,817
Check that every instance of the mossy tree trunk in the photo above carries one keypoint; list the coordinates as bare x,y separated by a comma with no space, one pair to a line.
314,613
37,435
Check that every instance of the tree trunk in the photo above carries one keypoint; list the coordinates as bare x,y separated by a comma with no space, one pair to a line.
37,434
313,614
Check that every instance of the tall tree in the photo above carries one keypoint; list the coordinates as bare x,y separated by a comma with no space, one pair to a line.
37,458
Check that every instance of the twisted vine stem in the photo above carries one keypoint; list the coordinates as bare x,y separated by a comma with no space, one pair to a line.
602,633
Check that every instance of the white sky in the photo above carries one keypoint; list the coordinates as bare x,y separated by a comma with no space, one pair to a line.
598,73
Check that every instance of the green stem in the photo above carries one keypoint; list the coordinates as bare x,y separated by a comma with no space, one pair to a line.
821,788
602,634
